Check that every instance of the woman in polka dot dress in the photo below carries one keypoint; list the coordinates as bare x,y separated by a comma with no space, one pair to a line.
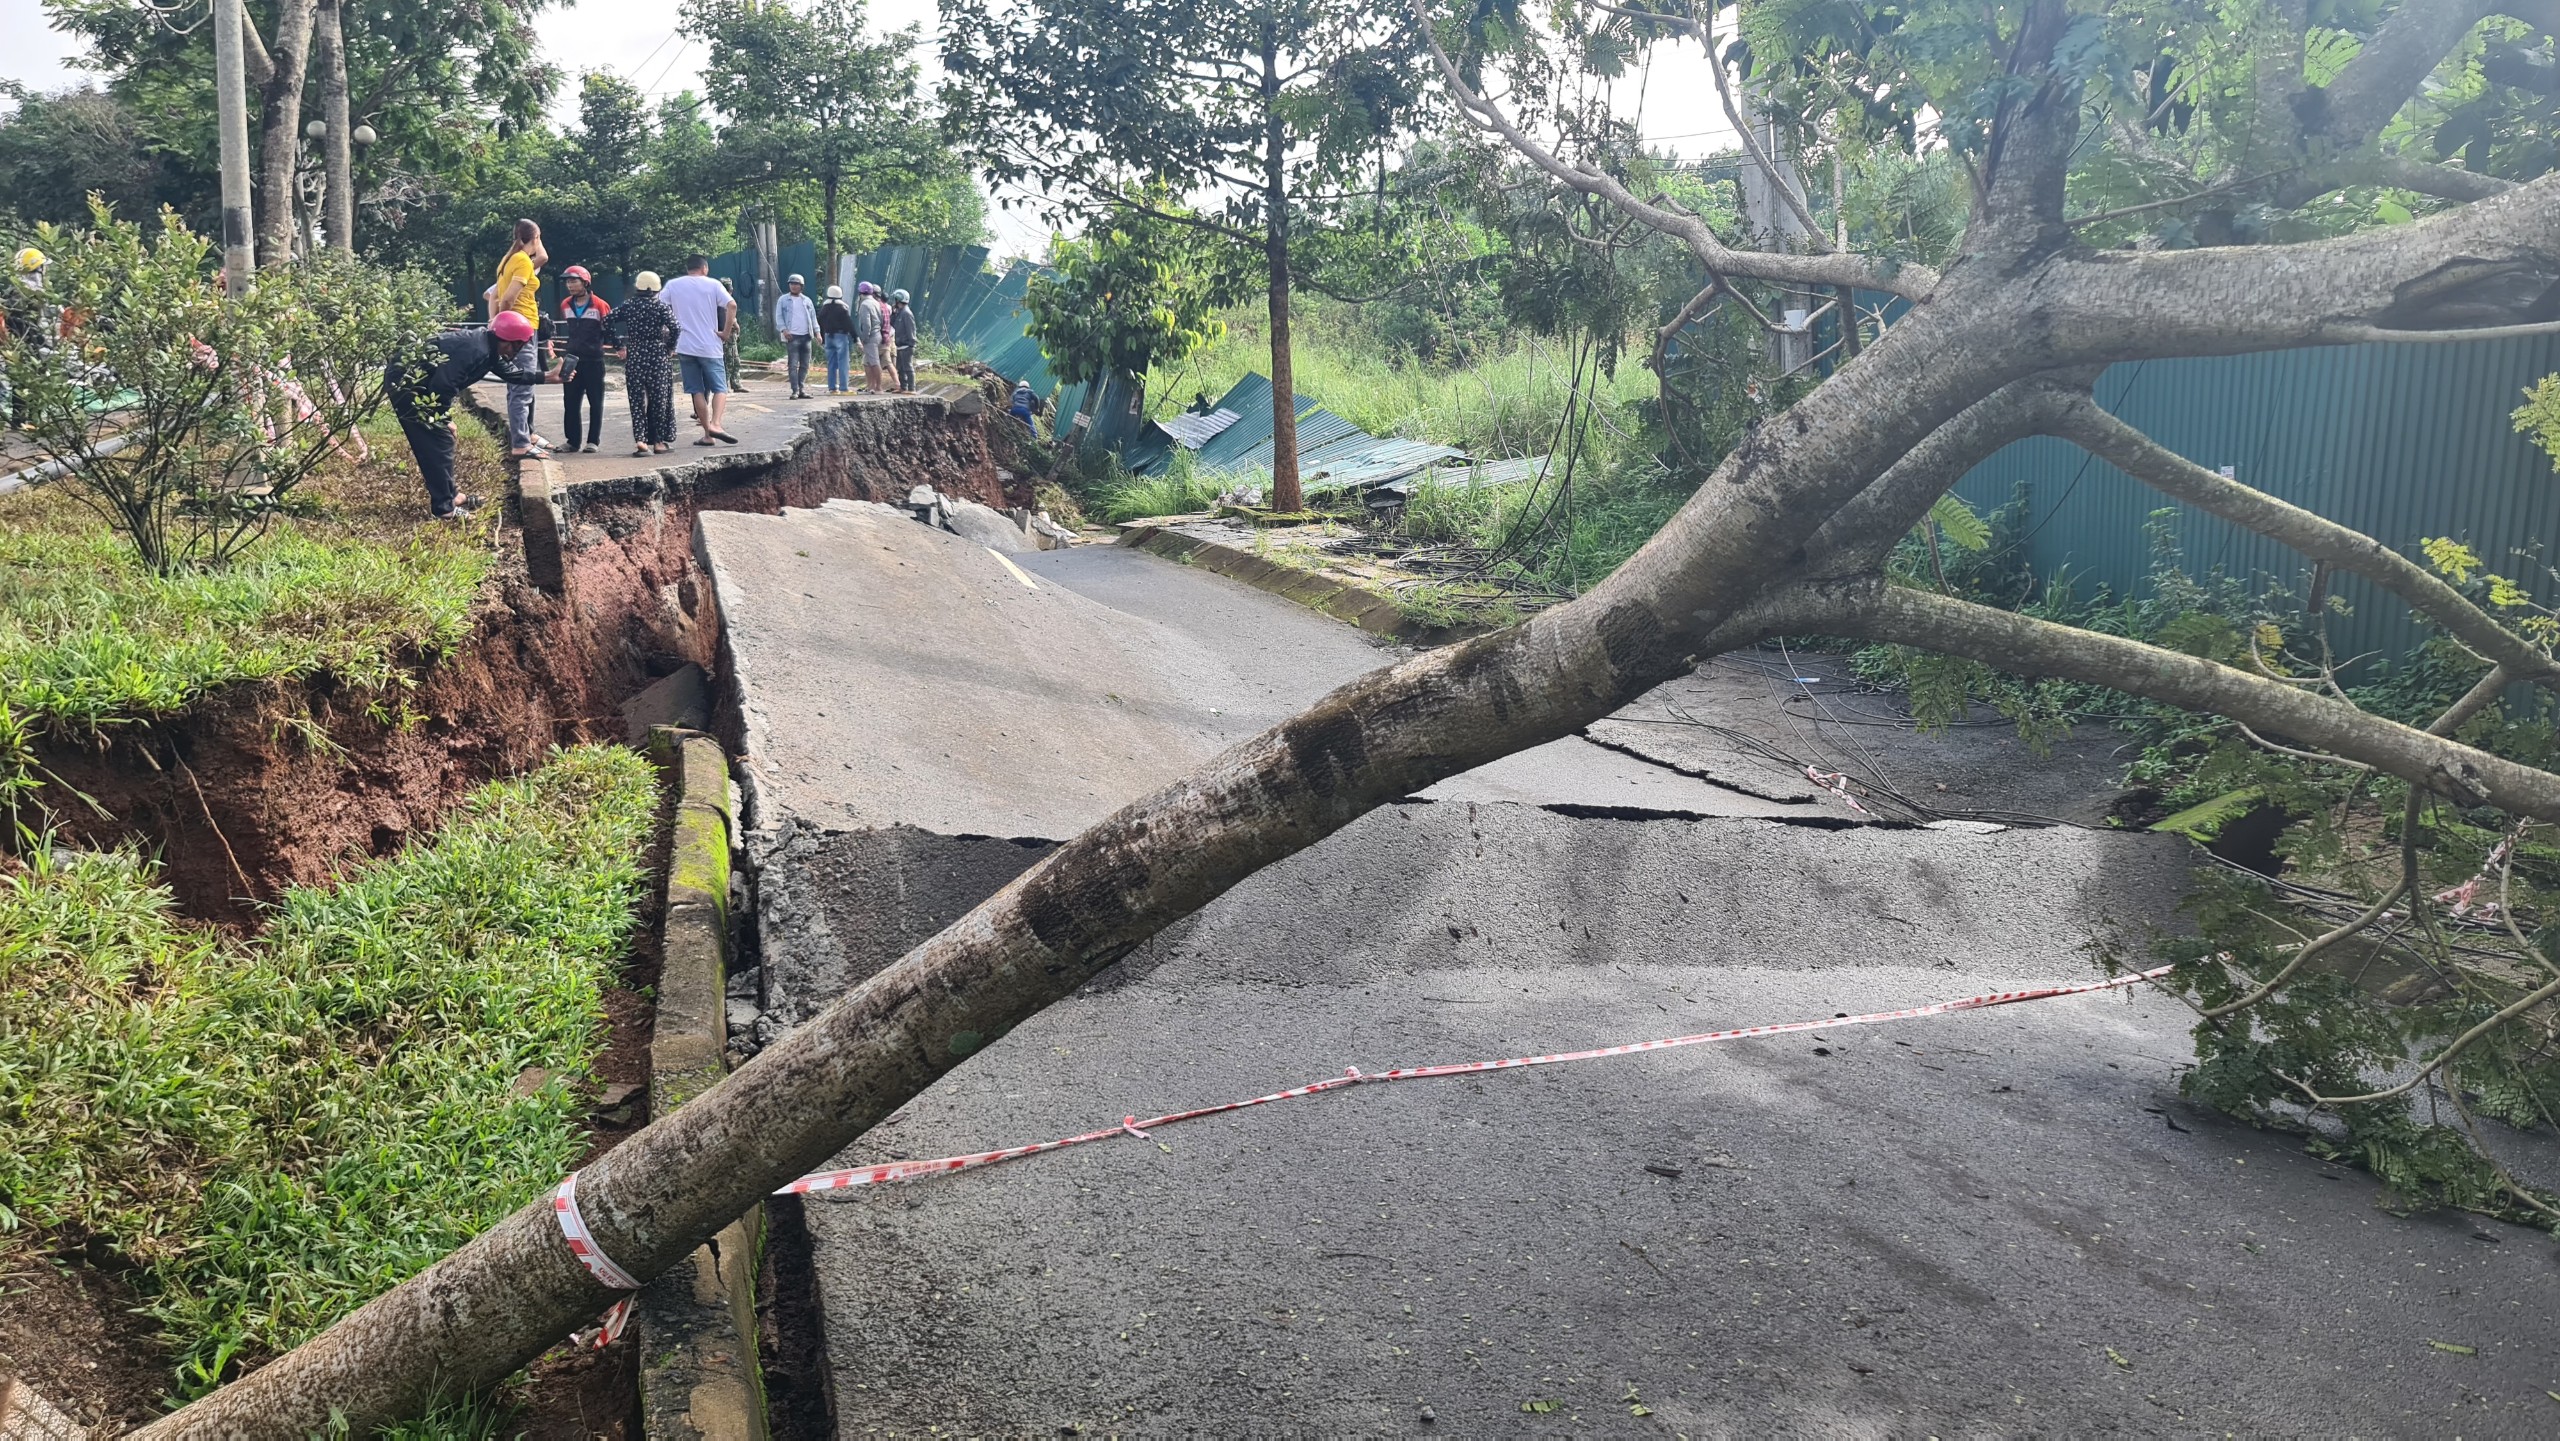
646,331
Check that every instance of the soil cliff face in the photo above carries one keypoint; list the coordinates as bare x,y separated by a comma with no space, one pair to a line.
258,788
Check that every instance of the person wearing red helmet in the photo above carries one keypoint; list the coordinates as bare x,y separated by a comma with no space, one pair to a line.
423,387
580,331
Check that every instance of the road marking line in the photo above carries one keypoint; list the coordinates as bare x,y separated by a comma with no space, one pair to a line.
1007,562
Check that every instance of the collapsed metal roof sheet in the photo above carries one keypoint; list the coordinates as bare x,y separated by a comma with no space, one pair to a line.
1192,431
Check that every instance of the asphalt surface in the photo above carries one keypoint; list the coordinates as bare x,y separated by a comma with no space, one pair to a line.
892,673
1996,1222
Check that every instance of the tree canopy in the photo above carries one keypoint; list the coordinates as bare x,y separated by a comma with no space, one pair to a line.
1271,119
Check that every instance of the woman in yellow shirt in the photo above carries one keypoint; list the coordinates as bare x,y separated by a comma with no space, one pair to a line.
519,289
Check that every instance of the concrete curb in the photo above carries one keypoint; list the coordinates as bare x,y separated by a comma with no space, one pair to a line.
1372,611
695,1326
544,562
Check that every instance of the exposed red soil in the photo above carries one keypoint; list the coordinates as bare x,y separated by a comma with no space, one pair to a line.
257,790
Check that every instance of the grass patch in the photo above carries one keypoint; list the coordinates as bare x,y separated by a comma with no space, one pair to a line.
1507,404
273,1131
1181,489
354,585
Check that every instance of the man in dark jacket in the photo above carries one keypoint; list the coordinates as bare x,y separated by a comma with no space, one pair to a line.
902,334
423,390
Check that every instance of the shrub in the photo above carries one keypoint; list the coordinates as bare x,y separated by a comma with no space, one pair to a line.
184,418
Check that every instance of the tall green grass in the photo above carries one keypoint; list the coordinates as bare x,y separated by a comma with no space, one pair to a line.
89,637
1509,404
273,1131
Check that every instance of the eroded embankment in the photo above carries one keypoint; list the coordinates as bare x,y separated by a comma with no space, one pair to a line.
255,789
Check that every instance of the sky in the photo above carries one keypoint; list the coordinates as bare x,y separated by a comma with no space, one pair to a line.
637,39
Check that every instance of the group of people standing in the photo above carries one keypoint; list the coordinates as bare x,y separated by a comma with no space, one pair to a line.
884,326
680,331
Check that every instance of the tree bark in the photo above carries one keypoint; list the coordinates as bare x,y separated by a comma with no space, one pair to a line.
2020,304
1285,495
338,211
2179,478
280,132
2023,645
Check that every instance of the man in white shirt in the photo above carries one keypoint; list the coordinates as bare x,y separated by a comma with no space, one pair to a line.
795,319
705,317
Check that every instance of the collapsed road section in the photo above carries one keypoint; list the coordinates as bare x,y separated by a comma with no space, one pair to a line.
1994,1220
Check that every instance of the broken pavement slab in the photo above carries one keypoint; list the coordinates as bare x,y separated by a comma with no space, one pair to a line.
1944,1226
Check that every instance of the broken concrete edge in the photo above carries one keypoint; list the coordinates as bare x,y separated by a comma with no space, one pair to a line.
692,480
1374,611
695,1326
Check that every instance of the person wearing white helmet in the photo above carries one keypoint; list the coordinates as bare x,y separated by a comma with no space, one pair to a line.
902,332
870,326
647,332
423,388
835,329
795,319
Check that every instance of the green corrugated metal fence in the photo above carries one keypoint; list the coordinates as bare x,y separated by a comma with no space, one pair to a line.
2402,442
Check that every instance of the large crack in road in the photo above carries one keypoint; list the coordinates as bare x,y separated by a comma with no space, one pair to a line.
1994,1221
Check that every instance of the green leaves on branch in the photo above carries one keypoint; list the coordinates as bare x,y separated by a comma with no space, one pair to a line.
186,419
1128,296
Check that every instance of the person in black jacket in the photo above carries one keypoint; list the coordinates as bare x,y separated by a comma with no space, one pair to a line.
424,387
580,331
835,326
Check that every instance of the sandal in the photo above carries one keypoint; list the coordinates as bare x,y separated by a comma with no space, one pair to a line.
639,450
724,436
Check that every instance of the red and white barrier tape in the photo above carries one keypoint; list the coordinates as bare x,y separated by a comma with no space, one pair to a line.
1836,782
582,1242
1133,1126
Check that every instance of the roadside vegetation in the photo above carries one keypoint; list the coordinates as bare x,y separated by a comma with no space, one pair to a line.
349,582
271,1131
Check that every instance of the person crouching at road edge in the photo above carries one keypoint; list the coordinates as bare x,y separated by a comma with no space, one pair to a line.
424,387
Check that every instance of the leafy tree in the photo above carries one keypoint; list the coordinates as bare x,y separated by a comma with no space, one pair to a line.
1125,297
186,419
442,84
57,150
1274,117
813,98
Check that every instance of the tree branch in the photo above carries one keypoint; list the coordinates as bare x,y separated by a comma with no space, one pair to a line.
2352,109
2082,422
2023,645
1912,282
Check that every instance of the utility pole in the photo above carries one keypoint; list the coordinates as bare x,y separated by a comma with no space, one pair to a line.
338,204
231,108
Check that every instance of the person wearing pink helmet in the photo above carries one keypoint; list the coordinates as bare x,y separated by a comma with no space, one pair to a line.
424,385
580,331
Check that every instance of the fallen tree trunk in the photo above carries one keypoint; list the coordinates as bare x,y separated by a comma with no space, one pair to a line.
2022,301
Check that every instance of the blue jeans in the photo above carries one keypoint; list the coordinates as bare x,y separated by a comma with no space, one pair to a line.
528,361
839,363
